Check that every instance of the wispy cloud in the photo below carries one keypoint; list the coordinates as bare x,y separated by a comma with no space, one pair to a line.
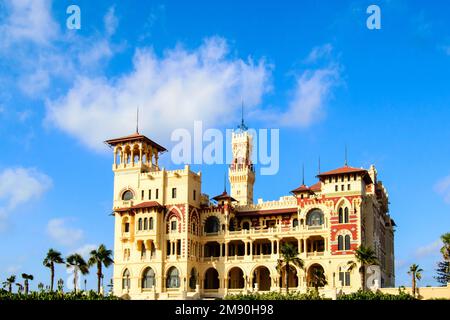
429,249
442,187
85,250
60,231
319,52
19,186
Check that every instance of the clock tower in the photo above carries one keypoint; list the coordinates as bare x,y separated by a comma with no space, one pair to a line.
241,172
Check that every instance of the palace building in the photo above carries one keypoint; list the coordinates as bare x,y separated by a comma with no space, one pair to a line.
171,241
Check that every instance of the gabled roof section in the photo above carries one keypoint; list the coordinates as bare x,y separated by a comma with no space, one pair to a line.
142,205
344,170
224,196
136,137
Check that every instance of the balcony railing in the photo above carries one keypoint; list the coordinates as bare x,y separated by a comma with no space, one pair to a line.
271,230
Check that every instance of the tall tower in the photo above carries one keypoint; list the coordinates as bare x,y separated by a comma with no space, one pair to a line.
241,172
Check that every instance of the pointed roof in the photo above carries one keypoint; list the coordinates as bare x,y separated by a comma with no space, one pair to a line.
136,137
302,188
224,196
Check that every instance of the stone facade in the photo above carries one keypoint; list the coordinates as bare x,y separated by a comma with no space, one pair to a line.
173,241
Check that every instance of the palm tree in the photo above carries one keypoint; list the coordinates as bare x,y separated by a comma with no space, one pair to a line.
365,256
9,282
445,250
27,277
79,264
19,287
290,259
52,257
416,272
317,278
100,256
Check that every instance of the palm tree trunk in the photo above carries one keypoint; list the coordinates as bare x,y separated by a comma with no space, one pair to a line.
286,277
99,276
10,288
75,280
52,275
26,287
363,278
414,284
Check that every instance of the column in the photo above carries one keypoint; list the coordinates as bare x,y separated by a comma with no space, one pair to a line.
226,251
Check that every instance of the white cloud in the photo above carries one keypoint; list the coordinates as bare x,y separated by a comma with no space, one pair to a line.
313,88
171,91
442,187
28,20
111,22
85,250
429,249
13,269
20,185
63,234
319,52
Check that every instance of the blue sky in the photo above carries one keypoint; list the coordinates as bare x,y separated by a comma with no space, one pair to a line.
310,68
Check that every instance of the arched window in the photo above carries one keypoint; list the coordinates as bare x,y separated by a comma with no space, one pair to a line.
140,224
340,215
340,243
347,243
173,278
127,195
231,225
315,218
212,225
246,225
295,223
148,278
126,279
145,223
150,226
346,215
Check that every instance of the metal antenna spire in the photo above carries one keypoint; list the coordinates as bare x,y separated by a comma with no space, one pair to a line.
225,182
303,174
346,161
319,165
242,126
137,120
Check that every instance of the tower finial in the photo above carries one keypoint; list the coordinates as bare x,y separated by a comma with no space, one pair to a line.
319,165
225,182
303,174
137,120
346,160
242,126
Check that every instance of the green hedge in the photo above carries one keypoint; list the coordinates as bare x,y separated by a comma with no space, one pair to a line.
370,295
312,295
44,295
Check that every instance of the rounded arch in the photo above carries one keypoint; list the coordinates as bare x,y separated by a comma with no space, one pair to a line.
148,278
126,278
236,278
211,279
262,277
212,224
316,276
293,276
127,195
172,278
315,217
